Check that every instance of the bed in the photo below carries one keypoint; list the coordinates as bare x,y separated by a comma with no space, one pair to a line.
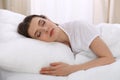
10,72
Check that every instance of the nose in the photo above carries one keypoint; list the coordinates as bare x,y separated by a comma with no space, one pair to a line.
46,29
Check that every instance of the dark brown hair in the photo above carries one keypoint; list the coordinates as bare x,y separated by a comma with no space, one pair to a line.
24,25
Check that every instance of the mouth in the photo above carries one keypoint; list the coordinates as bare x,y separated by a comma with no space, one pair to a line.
51,32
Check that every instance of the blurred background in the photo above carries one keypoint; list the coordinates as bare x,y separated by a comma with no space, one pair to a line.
60,11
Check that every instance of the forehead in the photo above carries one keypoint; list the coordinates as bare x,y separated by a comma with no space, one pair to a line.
34,21
33,26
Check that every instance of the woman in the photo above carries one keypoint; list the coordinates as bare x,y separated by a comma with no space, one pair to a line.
77,35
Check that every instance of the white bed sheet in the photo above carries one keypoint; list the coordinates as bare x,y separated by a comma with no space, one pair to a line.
6,75
107,72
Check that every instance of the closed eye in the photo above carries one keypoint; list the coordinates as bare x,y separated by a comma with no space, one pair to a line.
41,22
37,34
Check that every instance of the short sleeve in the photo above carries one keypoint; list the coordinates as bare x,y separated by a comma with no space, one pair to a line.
86,33
80,34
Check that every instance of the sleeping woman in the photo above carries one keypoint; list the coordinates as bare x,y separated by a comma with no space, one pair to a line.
78,35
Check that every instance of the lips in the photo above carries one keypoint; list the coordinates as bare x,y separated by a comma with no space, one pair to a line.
51,32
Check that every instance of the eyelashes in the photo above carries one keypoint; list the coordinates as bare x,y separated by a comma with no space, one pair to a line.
38,34
41,22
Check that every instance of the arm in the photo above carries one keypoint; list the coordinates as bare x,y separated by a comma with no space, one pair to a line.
103,53
97,46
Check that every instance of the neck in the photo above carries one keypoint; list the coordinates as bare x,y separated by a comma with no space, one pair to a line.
63,38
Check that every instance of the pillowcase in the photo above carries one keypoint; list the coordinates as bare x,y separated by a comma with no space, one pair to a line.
28,55
8,32
21,54
9,17
8,25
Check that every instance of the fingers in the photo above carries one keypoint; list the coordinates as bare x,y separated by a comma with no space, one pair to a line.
53,66
48,72
52,69
55,63
48,68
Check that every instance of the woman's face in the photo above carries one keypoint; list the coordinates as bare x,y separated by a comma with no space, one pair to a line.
43,29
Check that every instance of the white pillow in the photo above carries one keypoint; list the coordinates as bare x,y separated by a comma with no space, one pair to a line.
110,33
8,25
8,32
9,17
28,55
21,54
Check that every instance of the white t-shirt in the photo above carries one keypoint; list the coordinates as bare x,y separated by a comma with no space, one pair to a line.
80,35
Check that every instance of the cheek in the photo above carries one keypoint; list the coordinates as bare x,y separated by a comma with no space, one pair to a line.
44,37
51,25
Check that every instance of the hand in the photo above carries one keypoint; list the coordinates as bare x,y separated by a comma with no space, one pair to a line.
58,69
